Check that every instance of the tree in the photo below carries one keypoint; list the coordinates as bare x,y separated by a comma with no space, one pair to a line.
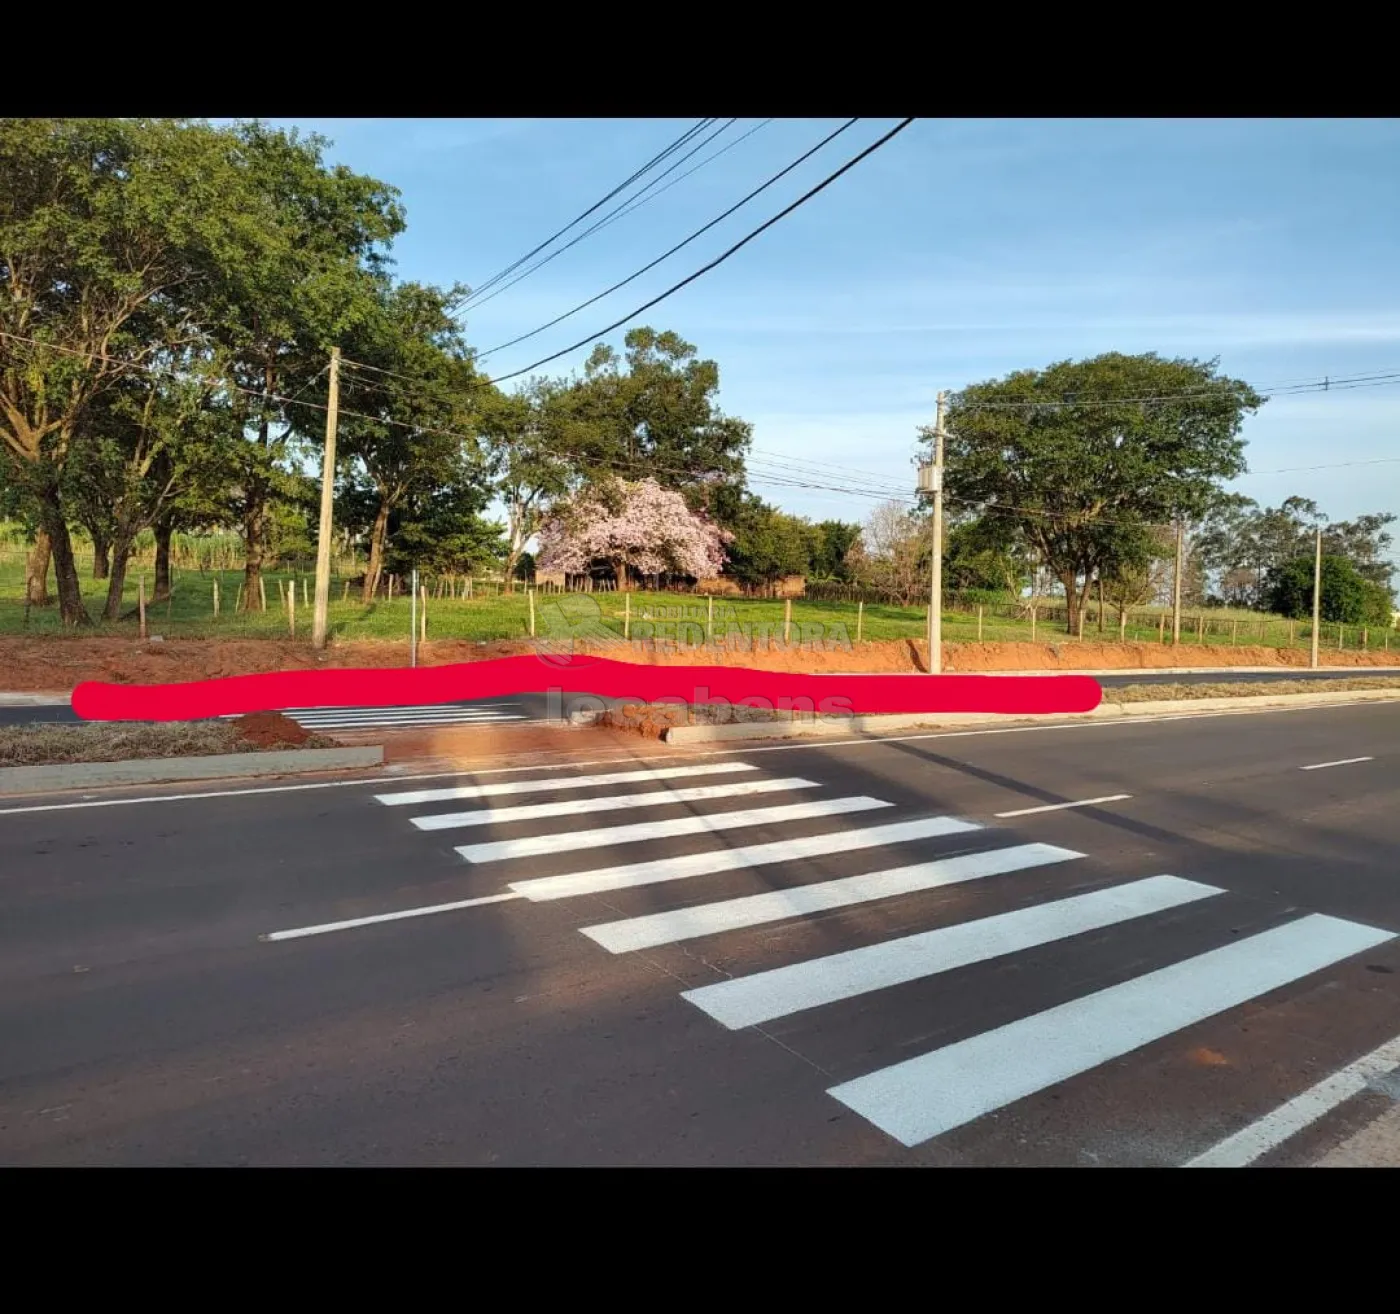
1347,595
315,275
659,418
103,222
1083,456
892,553
831,541
768,545
530,438
409,413
1243,542
639,527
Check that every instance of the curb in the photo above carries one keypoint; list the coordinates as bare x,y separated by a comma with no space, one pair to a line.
165,770
858,726
34,700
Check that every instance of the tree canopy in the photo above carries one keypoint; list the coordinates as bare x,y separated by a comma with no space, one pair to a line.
1080,460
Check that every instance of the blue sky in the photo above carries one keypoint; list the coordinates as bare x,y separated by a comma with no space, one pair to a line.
961,251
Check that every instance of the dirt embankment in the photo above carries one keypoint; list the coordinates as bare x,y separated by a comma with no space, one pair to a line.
48,745
56,665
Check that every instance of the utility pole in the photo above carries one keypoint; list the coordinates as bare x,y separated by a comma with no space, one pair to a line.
1176,581
1317,592
323,538
931,481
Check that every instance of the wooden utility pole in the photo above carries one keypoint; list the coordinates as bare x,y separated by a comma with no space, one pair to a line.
1176,581
1317,592
323,538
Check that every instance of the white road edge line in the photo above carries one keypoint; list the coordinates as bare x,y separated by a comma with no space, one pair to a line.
1057,807
325,929
806,744
1346,761
1285,1122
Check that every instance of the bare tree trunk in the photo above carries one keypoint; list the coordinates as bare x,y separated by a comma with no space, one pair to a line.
116,580
620,571
101,553
36,573
164,530
254,522
65,569
1070,583
377,537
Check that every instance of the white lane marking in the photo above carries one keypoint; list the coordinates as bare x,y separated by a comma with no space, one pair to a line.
319,718
533,846
416,796
1346,761
326,928
418,723
1285,1122
805,745
574,807
1058,807
924,1097
765,996
404,707
656,929
628,875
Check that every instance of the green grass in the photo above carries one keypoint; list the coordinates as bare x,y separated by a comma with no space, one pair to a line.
490,615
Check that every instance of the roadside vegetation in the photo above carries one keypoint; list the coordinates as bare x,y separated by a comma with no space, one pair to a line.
50,745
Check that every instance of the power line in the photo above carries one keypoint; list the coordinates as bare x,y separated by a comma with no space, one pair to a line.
738,141
475,301
762,187
646,168
645,463
720,259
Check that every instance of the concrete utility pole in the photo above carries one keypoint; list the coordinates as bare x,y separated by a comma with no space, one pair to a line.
1176,581
1317,592
323,538
931,481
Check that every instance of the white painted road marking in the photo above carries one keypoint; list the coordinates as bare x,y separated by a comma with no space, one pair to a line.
1285,1122
302,931
653,929
748,1000
533,846
395,774
574,807
1346,761
417,796
924,1097
629,875
1057,807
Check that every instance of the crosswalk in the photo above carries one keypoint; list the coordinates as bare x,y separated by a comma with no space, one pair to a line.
423,717
719,820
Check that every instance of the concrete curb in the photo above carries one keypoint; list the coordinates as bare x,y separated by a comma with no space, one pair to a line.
858,726
164,770
34,700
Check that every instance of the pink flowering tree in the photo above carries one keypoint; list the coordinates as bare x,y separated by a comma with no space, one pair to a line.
638,525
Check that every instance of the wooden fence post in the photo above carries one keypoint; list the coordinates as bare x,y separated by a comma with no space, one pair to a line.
979,622
1161,627
262,592
292,609
1234,634
787,618
860,619
281,596
423,614
345,592
1032,622
238,598
141,603
531,594
216,598
305,597
627,615
1122,625
710,619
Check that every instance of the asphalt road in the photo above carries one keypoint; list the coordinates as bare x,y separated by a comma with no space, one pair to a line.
524,708
1129,982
